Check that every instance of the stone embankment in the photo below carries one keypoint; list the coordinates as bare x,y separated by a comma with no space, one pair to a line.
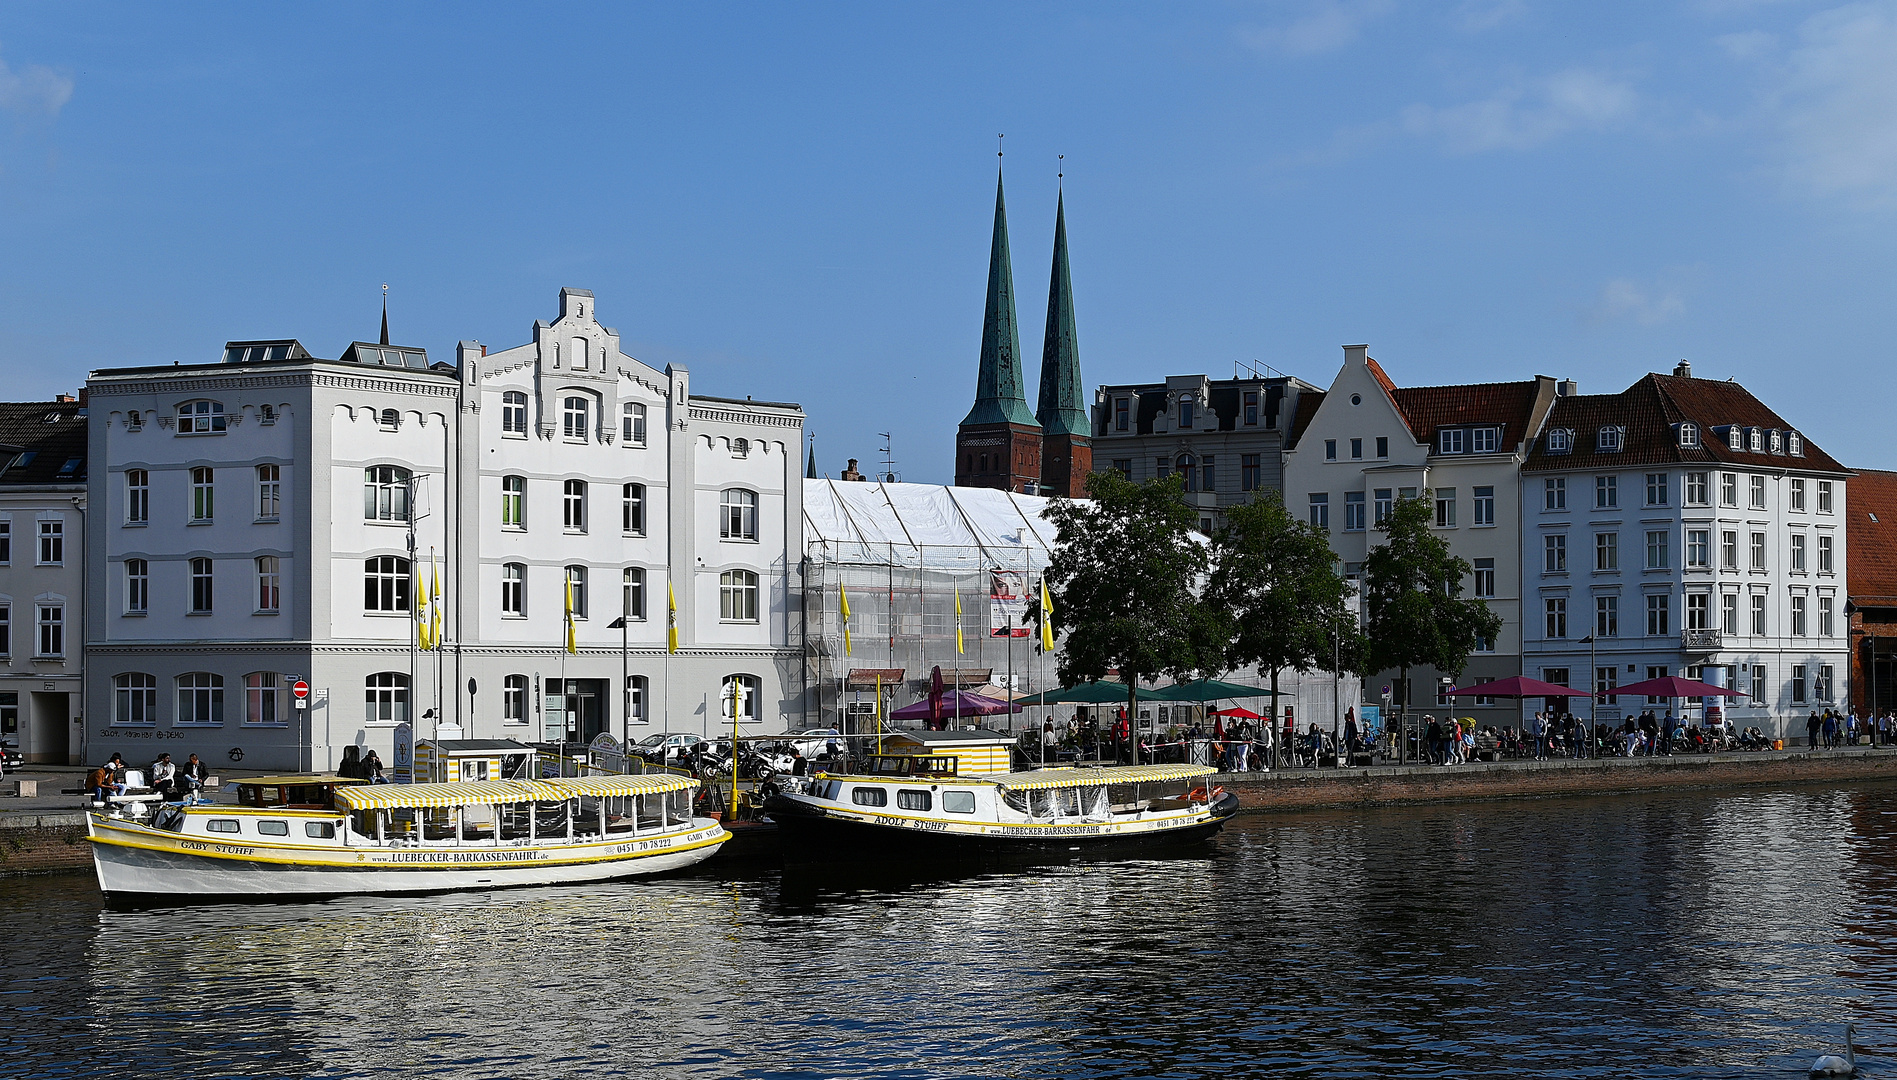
1299,789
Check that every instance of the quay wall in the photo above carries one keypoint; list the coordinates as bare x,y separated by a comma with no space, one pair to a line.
43,843
1300,789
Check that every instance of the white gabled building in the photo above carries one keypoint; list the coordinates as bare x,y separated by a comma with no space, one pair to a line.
256,519
1689,531
42,579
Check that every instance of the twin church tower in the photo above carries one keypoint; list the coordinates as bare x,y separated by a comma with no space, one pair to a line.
1000,444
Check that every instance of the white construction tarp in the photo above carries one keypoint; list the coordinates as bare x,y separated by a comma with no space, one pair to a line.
924,524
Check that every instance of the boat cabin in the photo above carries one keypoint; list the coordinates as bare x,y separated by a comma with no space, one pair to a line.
455,761
935,765
976,753
291,792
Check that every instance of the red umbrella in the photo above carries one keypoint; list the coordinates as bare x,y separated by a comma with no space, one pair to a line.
1520,686
1238,712
1674,686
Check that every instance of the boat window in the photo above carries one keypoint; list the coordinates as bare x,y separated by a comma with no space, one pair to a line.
321,830
222,824
912,799
272,827
1017,801
958,802
869,796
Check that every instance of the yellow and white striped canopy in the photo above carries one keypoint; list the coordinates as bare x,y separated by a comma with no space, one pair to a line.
1047,779
568,787
466,793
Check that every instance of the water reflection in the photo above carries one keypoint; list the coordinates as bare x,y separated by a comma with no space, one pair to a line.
1694,935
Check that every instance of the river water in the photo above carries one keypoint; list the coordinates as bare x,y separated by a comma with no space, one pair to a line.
1701,934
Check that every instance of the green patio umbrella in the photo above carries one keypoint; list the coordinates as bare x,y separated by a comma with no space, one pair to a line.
1207,690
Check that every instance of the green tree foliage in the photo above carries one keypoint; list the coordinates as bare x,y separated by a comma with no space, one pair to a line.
1415,615
1124,577
1275,579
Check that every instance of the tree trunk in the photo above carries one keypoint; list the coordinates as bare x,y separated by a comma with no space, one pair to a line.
1276,739
1132,722
1403,714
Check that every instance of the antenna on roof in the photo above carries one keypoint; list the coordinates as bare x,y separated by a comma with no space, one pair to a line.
385,313
889,461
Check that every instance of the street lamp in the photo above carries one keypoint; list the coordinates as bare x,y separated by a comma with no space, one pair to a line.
1594,694
625,682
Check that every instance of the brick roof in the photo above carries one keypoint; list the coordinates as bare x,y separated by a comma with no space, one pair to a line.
1428,408
54,432
1650,408
1870,537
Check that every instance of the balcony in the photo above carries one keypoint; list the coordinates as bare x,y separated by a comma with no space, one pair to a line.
1702,640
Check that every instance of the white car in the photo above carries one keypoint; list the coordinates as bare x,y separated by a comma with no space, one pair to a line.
667,747
814,742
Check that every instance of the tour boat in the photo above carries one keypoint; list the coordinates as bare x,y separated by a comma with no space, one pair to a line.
918,805
327,835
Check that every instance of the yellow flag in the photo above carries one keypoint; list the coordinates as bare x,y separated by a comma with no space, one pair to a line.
845,598
958,622
421,612
1047,619
434,631
671,619
572,640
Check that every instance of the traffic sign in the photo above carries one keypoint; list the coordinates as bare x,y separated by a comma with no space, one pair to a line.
301,689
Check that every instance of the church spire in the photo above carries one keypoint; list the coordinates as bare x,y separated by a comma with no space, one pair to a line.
999,397
1061,409
810,466
385,313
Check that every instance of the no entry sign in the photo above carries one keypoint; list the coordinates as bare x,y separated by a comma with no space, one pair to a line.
301,689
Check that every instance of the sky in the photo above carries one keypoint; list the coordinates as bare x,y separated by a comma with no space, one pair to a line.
794,201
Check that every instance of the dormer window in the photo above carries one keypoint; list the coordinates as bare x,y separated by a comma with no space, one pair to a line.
1777,441
1122,411
1186,405
1688,436
1755,440
1450,440
1560,441
201,418
1611,439
1794,445
1485,440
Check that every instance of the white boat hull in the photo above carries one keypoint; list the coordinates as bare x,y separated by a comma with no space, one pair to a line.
137,860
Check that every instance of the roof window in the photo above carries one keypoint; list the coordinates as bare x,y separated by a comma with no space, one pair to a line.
1560,441
1611,439
1734,435
71,466
1688,436
1755,440
1794,445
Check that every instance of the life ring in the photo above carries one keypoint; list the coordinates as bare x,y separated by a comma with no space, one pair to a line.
1198,794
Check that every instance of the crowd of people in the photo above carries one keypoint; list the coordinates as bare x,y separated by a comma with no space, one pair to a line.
177,783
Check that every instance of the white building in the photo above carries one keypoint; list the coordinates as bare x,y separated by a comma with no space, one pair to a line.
42,579
1356,448
1688,530
277,515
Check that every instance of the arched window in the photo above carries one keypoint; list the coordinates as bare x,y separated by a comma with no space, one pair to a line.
741,447
1689,436
632,424
263,698
632,589
575,410
514,590
385,493
385,583
514,413
200,698
575,515
200,417
1755,440
580,354
737,596
389,419
385,695
737,519
1794,445
638,692
514,699
1777,444
134,698
1733,436
513,502
741,691
576,591
632,509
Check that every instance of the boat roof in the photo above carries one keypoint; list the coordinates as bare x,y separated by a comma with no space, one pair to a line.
1046,779
454,745
296,780
478,792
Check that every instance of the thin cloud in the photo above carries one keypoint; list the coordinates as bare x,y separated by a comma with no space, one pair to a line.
35,90
1625,298
1329,26
1528,114
1835,102
1476,16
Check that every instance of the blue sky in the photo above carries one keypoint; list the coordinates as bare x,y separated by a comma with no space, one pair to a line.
794,200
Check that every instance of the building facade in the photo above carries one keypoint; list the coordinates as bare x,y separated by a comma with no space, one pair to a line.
1356,448
42,577
1681,527
543,515
1224,438
1871,540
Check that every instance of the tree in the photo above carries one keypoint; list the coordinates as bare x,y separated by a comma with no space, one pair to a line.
1275,577
1414,611
1125,575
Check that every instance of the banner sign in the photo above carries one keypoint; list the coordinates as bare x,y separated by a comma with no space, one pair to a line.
1007,604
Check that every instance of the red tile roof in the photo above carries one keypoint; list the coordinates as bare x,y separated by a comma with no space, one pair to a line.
1870,538
1428,408
1650,408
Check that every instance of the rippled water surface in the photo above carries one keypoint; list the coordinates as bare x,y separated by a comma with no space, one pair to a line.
1705,935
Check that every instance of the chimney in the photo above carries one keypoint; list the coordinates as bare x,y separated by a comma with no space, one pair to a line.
65,399
1684,369
1356,355
1568,388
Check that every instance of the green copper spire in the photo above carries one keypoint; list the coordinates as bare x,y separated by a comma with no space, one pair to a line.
810,466
999,398
1061,410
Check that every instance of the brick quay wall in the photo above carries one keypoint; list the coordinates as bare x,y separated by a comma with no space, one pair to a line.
1382,785
43,843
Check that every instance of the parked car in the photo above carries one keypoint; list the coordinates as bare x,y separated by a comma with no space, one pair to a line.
813,742
667,747
10,759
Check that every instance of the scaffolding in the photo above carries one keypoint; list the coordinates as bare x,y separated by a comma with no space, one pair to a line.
906,556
